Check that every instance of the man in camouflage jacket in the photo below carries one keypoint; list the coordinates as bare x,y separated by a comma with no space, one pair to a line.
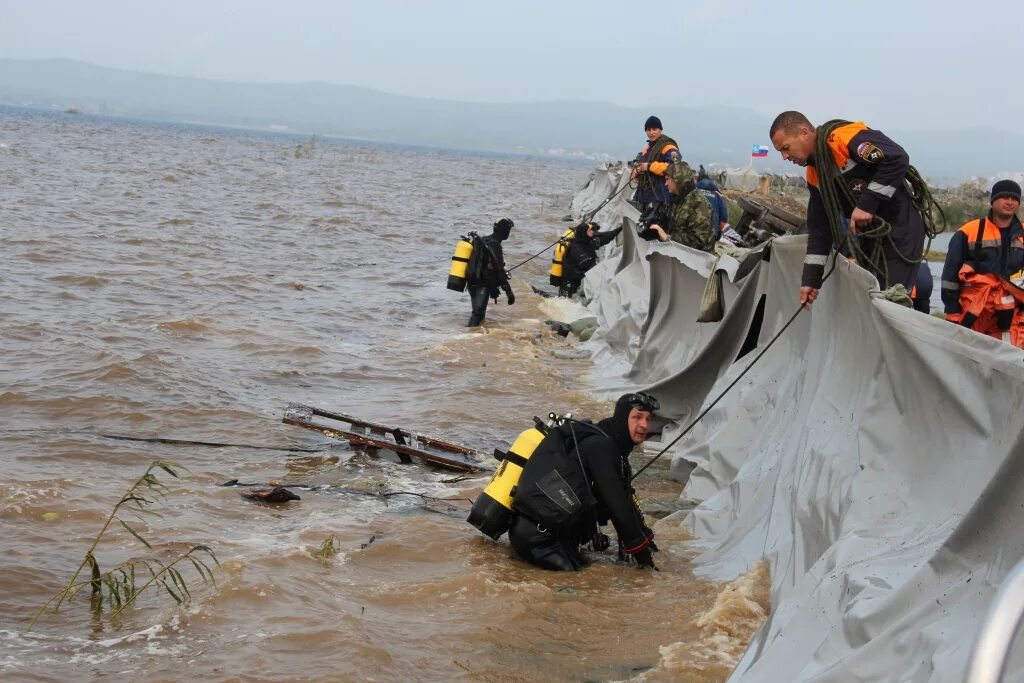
687,218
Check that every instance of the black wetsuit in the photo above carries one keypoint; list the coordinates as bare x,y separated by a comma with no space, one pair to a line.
606,459
581,257
487,272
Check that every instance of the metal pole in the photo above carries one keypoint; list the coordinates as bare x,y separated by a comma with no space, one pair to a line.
998,630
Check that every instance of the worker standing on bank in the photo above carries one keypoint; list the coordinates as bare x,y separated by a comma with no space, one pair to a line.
984,270
861,174
651,164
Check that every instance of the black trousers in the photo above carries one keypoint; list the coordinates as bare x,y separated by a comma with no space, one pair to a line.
569,288
543,548
922,302
478,297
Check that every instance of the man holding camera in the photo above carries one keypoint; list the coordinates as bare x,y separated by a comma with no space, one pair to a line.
687,218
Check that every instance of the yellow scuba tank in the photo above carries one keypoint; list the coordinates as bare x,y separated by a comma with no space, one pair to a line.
460,264
555,278
492,510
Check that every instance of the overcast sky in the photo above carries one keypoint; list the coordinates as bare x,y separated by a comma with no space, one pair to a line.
895,64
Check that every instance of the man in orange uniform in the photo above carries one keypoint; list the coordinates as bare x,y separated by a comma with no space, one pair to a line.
985,268
873,167
652,162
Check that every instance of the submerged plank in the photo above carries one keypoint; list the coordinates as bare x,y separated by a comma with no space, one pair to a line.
405,443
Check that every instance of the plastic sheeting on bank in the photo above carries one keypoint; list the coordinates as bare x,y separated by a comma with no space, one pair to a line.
601,184
874,455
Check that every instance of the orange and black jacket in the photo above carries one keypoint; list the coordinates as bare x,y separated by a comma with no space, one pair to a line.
987,248
873,167
659,154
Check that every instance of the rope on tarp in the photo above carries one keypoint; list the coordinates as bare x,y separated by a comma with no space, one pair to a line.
718,398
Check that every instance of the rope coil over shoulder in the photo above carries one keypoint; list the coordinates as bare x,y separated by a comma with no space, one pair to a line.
837,197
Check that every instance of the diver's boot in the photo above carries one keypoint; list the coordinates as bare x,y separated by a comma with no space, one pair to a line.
475,320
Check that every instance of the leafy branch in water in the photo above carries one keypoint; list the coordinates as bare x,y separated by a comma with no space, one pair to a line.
119,586
305,149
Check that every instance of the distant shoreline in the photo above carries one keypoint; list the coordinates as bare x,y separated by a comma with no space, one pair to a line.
291,135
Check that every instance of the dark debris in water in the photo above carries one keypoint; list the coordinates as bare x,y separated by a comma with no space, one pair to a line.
278,494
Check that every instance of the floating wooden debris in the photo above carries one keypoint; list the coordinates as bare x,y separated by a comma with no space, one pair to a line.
375,436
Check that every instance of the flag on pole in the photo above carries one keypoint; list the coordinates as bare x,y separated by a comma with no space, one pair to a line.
759,151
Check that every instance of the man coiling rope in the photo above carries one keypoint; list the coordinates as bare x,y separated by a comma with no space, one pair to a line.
856,171
839,199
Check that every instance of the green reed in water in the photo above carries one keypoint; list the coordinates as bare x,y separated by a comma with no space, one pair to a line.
328,548
119,586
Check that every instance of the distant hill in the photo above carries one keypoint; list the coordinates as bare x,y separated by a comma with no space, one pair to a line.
594,130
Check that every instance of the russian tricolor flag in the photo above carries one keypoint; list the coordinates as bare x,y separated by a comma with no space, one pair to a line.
759,151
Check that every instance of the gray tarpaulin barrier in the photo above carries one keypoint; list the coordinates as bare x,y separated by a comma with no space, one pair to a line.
601,185
874,456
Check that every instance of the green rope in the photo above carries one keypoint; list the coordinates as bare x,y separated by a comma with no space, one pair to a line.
838,198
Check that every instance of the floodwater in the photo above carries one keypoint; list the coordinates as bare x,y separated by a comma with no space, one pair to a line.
187,283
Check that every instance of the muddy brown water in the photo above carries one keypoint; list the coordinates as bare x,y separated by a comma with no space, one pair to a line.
186,282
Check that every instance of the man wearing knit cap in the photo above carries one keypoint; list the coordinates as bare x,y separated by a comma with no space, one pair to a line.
984,270
651,164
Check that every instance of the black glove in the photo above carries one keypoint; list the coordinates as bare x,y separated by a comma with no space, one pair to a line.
508,293
644,558
600,542
647,234
968,320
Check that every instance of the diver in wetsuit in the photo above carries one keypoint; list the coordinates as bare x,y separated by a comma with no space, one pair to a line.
581,255
486,272
604,494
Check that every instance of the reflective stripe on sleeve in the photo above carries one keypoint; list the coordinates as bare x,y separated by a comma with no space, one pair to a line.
816,259
884,190
946,284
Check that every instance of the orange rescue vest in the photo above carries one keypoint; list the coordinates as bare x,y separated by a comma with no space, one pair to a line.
839,145
996,303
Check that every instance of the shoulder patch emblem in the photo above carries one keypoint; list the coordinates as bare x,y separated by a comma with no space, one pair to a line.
869,153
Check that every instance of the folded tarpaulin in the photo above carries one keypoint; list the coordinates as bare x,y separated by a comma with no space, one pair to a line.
874,455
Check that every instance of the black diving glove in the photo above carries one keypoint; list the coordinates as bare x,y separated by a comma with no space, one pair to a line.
968,320
600,542
644,558
508,293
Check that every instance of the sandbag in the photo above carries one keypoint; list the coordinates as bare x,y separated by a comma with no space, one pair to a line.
712,303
